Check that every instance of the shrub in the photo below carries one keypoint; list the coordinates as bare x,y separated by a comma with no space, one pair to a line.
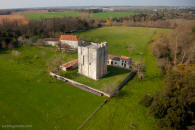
146,101
173,107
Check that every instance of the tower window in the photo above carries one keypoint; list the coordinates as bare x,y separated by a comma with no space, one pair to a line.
83,60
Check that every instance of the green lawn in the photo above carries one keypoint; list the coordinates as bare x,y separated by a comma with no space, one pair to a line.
125,109
112,79
101,15
29,96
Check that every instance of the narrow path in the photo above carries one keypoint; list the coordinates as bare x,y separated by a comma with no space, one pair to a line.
98,108
79,85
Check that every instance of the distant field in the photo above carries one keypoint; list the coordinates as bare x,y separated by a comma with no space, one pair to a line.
37,16
30,96
102,15
14,17
106,15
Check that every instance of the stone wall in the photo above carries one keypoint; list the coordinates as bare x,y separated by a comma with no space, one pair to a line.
79,85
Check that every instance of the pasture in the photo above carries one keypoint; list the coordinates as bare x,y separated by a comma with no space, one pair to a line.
125,109
101,15
37,16
29,96
107,15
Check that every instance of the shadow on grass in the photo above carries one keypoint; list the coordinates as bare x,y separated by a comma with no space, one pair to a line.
122,94
113,71
3,51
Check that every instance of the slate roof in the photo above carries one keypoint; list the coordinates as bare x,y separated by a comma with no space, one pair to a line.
111,57
118,58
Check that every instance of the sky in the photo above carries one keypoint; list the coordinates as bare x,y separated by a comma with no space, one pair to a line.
8,4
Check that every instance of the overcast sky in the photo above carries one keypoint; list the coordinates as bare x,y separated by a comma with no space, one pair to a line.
48,3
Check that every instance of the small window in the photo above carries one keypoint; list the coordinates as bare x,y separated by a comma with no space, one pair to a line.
111,62
115,63
83,60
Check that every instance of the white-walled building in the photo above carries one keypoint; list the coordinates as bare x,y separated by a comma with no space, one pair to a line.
72,40
51,41
122,62
92,59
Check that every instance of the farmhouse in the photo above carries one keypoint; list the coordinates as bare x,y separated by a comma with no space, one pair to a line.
70,65
122,62
71,40
51,41
92,59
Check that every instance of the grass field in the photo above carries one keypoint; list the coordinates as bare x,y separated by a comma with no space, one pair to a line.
106,15
101,15
114,77
29,96
37,16
125,109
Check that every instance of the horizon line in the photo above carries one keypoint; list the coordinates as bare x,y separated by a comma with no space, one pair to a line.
42,7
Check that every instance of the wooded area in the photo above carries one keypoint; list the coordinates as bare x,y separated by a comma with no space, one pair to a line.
174,106
11,31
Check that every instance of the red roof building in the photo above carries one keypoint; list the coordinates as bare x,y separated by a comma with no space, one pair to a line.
70,65
69,38
72,40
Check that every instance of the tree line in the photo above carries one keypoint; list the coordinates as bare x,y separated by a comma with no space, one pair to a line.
157,20
11,31
178,47
53,27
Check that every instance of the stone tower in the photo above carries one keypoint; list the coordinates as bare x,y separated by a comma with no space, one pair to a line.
92,59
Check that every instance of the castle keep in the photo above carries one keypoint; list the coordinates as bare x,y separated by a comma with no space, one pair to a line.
92,59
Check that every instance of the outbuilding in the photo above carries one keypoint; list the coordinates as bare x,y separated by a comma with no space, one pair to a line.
72,40
70,65
51,41
122,62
